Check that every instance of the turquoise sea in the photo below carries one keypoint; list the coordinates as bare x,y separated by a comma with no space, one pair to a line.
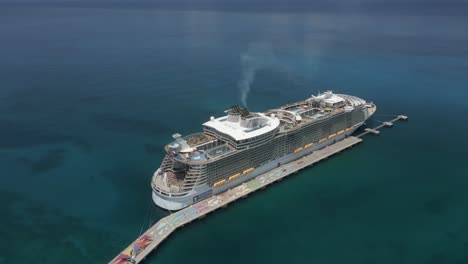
90,94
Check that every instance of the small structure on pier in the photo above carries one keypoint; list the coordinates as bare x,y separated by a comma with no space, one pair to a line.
372,131
375,130
388,124
403,117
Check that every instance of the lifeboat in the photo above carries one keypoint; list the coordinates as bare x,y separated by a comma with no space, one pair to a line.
298,150
232,177
219,183
248,170
323,140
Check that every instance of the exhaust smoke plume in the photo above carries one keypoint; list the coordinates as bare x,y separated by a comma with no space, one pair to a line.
258,56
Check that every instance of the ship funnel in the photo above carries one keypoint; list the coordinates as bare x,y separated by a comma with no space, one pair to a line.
233,117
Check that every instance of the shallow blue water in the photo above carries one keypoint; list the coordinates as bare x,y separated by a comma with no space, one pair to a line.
89,96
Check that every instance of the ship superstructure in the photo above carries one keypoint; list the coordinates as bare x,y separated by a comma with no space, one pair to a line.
241,145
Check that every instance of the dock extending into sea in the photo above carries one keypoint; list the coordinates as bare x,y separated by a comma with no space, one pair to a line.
375,130
137,251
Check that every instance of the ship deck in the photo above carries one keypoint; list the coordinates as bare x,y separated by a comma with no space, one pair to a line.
154,236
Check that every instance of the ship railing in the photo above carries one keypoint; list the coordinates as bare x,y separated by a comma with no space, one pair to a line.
166,193
292,105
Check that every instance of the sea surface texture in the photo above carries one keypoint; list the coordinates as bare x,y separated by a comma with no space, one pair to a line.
90,94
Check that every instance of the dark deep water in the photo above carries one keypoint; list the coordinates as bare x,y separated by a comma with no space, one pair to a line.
89,96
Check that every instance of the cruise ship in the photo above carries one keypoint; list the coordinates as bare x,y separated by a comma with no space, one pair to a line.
241,145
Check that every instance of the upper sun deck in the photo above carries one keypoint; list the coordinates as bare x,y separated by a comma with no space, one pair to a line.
242,128
315,108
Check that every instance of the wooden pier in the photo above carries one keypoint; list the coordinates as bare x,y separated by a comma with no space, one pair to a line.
154,236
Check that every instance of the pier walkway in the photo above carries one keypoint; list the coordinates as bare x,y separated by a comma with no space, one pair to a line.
376,131
153,237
